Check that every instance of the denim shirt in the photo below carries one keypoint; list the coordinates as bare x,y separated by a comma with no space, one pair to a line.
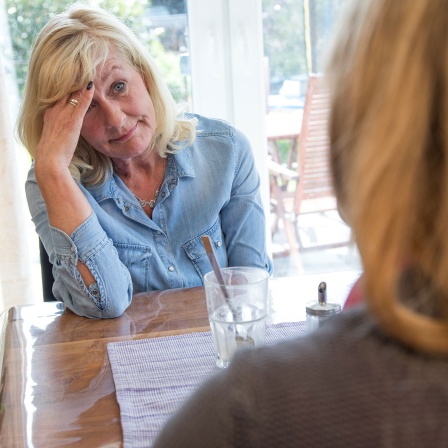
210,188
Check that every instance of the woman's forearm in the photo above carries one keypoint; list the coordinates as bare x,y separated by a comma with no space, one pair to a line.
67,207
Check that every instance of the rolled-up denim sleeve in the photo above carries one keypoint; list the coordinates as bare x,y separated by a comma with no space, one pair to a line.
111,293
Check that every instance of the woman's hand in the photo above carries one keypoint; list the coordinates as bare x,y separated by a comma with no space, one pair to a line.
61,130
67,206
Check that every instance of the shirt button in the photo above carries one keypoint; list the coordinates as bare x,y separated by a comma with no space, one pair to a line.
171,268
219,243
126,208
94,292
163,195
72,248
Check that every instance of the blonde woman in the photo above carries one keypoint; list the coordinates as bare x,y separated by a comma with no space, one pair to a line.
376,375
123,185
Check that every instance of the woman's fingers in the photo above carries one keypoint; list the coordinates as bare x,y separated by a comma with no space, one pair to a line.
62,126
81,99
73,102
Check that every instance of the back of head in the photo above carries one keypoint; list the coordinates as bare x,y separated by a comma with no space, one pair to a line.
64,58
388,72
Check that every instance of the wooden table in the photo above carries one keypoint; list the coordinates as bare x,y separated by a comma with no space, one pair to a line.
285,125
283,174
56,382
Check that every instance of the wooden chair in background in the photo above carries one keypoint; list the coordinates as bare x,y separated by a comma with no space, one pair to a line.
313,192
47,274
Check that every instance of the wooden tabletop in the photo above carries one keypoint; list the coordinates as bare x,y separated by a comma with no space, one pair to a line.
284,124
56,382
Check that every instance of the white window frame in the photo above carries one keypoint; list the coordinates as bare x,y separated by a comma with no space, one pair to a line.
228,72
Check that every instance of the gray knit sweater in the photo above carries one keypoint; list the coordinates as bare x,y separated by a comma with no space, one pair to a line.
346,385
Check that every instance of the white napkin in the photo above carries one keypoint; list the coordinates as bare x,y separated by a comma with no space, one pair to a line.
153,377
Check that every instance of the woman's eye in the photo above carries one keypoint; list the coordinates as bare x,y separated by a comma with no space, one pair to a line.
119,87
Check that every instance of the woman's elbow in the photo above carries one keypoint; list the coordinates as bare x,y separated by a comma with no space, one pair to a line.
108,304
116,303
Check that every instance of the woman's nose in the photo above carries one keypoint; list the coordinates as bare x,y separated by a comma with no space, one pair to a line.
114,116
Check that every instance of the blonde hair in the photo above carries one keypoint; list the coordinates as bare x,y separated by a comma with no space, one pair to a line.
64,58
388,74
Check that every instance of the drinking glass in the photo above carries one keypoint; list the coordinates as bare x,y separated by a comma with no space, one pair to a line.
237,310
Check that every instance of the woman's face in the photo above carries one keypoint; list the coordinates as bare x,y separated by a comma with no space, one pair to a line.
120,121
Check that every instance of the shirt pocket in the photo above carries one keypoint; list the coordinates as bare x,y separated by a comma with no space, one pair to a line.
136,258
198,256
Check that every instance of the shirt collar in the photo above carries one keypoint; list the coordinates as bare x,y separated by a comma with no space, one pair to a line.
183,163
179,165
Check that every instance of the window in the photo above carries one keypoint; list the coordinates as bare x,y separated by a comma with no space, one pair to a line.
161,25
303,208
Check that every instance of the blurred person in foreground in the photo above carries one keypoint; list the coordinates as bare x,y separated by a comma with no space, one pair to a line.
377,374
123,184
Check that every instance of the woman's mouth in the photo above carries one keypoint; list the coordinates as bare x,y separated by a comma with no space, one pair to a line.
127,135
